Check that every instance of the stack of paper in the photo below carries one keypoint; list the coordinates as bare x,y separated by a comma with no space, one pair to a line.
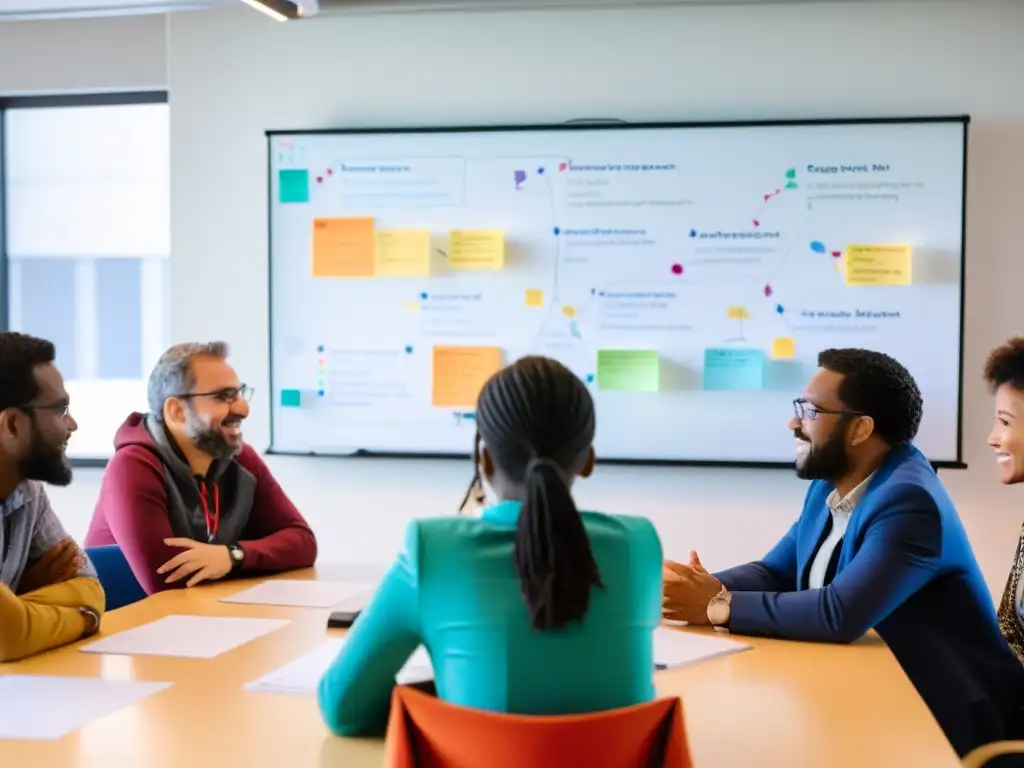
42,707
302,676
193,637
302,594
675,648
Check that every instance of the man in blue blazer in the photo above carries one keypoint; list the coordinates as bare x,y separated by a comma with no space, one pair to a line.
878,546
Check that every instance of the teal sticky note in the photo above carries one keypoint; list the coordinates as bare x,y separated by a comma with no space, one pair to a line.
628,370
293,186
733,369
291,398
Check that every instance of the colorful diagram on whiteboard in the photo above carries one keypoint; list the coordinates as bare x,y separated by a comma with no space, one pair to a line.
679,276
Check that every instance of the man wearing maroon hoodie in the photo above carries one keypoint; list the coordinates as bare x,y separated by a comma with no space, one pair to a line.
184,497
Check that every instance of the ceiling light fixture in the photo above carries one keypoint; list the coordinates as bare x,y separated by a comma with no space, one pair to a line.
281,10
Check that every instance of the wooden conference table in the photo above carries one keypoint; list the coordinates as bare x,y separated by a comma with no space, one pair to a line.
780,704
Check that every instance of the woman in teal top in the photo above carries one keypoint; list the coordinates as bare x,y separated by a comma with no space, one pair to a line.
532,608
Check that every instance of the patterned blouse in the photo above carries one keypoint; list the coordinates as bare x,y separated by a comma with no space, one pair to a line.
1011,622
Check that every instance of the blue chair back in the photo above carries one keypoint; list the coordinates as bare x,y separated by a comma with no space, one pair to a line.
116,576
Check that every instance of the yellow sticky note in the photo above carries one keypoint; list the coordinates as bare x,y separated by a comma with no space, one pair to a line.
411,306
403,253
569,311
877,265
534,297
460,373
476,249
343,247
783,349
738,313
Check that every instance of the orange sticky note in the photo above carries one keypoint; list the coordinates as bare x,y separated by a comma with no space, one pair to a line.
783,349
343,247
461,372
534,297
569,311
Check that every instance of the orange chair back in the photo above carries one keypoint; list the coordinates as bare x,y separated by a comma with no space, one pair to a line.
425,732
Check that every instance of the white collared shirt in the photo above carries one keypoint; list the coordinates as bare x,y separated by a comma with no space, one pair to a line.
841,510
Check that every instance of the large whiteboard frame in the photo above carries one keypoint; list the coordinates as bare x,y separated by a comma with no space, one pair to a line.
620,125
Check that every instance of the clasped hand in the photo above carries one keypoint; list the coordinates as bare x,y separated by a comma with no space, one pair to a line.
204,562
62,562
687,590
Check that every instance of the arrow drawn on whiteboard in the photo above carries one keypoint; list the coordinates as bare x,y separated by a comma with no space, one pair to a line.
443,254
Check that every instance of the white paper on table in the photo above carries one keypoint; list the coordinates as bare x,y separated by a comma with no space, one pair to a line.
46,707
302,594
673,648
192,637
302,675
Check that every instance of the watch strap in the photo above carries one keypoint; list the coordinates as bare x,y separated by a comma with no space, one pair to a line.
92,621
237,555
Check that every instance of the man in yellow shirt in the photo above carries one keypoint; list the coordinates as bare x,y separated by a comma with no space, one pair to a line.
49,593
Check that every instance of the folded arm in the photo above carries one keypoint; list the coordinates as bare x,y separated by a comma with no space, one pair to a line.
46,618
280,539
134,501
775,573
355,692
898,556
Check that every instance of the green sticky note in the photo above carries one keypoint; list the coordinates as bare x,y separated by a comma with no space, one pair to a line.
293,186
628,370
291,398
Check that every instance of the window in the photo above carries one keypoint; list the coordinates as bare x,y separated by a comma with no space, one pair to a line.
86,245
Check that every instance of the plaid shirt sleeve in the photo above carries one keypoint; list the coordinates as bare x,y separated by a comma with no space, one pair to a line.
47,530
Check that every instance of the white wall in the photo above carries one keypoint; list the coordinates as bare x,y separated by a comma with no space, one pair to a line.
109,54
234,75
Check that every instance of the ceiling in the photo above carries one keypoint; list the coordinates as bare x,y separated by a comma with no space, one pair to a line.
17,10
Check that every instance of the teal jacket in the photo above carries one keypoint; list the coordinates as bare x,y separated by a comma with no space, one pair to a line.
454,590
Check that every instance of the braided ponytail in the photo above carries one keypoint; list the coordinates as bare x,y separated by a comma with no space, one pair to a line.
537,421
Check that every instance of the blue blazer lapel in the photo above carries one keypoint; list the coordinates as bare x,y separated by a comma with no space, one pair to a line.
864,511
812,532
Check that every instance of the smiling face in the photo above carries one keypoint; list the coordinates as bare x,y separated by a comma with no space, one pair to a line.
46,427
216,408
1007,435
820,430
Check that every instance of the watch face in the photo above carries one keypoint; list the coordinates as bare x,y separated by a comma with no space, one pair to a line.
718,612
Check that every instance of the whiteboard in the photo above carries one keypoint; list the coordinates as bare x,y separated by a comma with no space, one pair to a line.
689,274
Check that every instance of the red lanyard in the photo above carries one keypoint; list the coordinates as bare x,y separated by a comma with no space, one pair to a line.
212,521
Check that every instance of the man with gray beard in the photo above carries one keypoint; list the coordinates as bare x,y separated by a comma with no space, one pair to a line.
184,497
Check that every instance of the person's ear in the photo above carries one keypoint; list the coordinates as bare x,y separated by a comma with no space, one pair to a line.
174,410
588,465
486,463
9,424
863,428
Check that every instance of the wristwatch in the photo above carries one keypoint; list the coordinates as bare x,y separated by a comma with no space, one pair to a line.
92,620
237,555
720,608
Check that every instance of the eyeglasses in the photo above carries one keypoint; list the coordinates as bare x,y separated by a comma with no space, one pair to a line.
806,410
61,409
227,395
